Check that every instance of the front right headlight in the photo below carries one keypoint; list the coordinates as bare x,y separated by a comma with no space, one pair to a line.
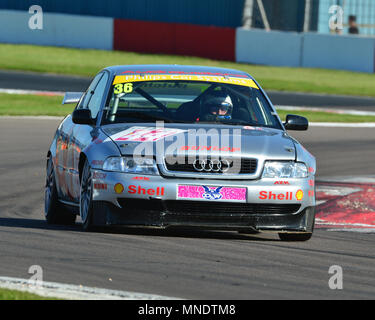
145,166
284,169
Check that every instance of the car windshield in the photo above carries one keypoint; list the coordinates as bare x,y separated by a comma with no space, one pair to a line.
223,101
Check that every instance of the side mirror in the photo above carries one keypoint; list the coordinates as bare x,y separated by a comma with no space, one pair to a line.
72,97
294,122
82,116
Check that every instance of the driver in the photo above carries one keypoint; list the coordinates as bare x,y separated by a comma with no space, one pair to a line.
217,105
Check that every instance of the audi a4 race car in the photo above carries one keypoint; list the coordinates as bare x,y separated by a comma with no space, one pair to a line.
170,145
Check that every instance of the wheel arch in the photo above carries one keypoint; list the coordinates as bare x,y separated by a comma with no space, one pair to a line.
81,163
49,155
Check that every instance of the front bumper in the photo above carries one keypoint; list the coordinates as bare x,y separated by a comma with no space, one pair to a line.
268,204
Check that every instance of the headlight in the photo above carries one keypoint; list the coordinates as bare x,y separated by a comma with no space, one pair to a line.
287,169
131,165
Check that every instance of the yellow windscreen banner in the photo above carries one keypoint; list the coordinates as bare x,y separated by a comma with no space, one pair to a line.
177,77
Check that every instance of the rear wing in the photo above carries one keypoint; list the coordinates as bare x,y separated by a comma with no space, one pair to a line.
72,97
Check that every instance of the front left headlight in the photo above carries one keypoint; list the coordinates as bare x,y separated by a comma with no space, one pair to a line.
145,166
284,169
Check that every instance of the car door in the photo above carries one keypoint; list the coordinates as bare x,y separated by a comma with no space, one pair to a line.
62,142
82,134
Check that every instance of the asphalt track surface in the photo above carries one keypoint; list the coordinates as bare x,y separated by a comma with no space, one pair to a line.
50,82
191,265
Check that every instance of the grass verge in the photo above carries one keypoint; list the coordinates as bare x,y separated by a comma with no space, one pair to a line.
34,105
6,294
321,116
86,62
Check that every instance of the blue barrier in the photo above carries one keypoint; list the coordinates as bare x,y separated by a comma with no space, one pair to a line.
58,30
270,48
223,13
352,53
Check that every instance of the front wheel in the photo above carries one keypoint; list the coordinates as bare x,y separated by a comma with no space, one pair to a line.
85,199
54,211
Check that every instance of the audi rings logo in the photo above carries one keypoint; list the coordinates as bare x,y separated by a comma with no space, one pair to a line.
211,165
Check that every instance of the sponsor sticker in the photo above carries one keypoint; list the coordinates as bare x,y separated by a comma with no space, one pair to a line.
270,195
141,178
299,195
119,188
158,191
145,134
282,182
99,175
210,148
217,193
100,186
180,77
253,128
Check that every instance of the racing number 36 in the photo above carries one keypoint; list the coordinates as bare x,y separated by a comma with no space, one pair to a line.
123,88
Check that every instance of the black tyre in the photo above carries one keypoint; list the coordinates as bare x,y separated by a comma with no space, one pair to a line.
54,211
295,236
85,199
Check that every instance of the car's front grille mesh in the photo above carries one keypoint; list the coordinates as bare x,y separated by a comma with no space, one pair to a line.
228,208
207,208
236,166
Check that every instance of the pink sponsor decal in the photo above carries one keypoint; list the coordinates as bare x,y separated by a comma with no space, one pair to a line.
253,128
211,193
145,134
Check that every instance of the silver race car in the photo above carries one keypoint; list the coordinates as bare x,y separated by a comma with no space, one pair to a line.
169,145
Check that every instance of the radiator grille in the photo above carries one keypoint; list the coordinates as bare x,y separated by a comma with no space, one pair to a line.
228,208
241,166
207,208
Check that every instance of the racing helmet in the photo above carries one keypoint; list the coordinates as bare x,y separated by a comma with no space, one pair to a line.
219,104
